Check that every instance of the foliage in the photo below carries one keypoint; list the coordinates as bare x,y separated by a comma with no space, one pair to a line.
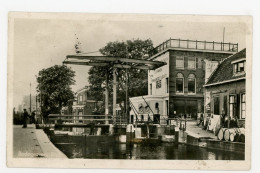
136,49
54,88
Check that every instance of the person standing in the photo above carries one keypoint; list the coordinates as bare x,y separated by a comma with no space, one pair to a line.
222,118
25,117
33,117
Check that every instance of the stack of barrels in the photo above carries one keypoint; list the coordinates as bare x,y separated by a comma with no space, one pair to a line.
233,134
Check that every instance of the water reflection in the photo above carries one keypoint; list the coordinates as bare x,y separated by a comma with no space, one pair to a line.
138,151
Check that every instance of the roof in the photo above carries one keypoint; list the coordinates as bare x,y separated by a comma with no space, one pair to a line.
82,89
224,71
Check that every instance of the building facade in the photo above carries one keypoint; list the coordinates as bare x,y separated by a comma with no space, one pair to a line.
225,91
83,104
176,89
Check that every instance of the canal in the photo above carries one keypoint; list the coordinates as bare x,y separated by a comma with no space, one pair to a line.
139,151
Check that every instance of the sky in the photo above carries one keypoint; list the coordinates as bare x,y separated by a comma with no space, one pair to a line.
43,42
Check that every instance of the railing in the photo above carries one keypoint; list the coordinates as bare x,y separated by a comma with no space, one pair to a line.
78,118
198,45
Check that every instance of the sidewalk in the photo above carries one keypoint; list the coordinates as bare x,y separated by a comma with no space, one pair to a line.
33,143
197,131
196,134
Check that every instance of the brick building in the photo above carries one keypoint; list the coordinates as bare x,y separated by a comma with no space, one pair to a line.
225,91
176,89
84,104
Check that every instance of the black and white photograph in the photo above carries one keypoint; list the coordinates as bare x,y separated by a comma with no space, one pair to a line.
155,91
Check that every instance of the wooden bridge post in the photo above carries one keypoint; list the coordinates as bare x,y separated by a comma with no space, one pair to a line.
114,94
106,100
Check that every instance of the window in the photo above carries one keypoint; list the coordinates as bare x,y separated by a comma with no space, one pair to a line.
216,105
158,84
191,62
231,106
199,62
81,98
239,67
243,106
191,84
157,108
142,117
167,107
151,89
179,83
167,85
180,62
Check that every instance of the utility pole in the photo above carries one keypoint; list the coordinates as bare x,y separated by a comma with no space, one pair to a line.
224,35
30,99
36,103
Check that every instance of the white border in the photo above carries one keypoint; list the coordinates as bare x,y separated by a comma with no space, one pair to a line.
220,7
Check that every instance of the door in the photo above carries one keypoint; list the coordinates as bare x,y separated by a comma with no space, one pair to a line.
156,118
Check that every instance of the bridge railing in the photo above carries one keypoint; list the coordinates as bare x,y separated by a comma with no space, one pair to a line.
58,118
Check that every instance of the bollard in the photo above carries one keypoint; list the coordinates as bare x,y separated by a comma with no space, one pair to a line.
111,129
129,132
85,144
176,137
185,125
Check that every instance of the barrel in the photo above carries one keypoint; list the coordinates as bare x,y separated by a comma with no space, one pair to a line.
233,137
234,134
227,133
221,133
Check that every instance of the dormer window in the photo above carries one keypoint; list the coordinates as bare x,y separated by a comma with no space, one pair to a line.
239,66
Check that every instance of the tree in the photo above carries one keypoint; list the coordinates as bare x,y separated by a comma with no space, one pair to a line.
136,49
54,88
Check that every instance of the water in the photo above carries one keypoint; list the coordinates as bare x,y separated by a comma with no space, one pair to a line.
138,151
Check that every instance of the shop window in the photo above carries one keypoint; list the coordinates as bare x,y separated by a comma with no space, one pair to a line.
243,106
158,84
232,106
179,83
191,62
216,105
191,84
151,89
167,85
180,62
